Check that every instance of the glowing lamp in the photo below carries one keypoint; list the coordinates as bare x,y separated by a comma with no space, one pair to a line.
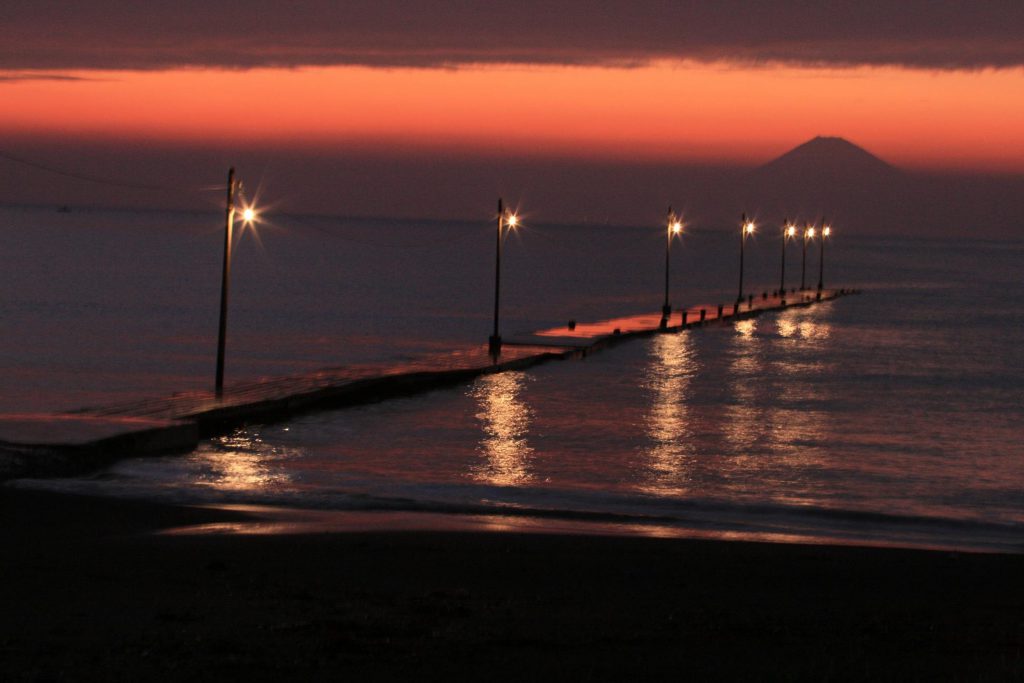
810,233
677,227
791,231
747,228
509,219
826,232
248,214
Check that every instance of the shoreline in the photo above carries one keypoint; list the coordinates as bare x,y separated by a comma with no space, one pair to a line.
712,522
92,588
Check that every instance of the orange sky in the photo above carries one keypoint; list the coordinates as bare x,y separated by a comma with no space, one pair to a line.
672,110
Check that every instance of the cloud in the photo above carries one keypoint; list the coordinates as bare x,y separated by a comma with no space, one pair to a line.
28,76
109,34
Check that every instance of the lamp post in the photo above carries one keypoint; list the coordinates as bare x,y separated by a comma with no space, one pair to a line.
808,235
747,228
825,232
788,231
511,220
225,282
673,226
248,217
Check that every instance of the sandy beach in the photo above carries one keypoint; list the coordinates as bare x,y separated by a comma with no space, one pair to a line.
90,592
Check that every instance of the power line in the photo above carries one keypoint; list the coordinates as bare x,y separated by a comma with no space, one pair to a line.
625,240
106,181
420,244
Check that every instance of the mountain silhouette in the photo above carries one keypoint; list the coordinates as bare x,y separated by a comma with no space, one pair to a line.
827,176
834,158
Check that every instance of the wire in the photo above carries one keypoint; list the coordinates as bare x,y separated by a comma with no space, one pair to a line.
640,235
432,244
107,181
625,240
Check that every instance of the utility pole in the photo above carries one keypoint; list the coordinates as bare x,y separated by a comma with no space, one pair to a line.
494,343
229,219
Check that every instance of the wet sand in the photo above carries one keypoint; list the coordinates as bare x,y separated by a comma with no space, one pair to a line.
88,592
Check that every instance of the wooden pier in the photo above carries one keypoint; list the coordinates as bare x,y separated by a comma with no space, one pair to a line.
81,441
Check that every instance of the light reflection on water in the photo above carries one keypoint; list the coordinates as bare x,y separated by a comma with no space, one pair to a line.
796,324
504,419
778,421
242,461
744,423
669,455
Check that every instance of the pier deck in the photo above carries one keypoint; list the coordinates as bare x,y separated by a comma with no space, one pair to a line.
83,440
587,335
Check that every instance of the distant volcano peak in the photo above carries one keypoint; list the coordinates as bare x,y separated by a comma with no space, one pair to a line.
830,140
828,176
828,155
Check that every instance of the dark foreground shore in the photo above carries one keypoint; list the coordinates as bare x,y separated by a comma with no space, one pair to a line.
87,593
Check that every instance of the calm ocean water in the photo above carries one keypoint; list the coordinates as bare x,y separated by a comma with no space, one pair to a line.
894,417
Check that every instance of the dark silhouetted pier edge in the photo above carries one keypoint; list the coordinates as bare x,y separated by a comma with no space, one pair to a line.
84,440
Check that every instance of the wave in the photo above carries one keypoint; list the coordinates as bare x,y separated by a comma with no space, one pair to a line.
638,513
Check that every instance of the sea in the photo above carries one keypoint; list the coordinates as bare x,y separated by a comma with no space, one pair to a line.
894,417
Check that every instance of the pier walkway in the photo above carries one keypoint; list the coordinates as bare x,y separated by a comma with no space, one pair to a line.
84,440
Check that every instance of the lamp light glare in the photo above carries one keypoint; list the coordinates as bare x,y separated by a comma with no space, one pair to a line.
749,228
248,214
810,233
512,220
677,227
790,231
827,231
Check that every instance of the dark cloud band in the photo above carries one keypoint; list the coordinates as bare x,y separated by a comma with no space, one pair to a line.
108,34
